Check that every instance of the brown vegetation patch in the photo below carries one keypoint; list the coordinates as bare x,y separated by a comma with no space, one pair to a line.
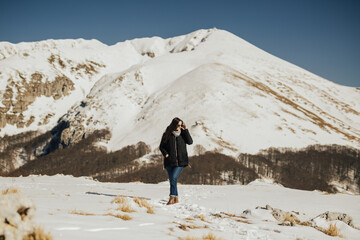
202,218
46,119
143,203
38,234
291,113
124,217
97,64
25,143
61,63
51,59
88,68
231,216
310,168
150,54
80,212
185,227
54,57
9,191
36,77
123,204
224,144
331,231
85,159
209,236
119,200
207,168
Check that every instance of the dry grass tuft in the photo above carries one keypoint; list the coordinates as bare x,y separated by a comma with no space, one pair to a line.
306,224
189,219
291,219
120,200
202,217
231,216
125,207
9,191
150,210
182,227
242,221
124,217
38,234
189,238
143,203
331,231
185,227
80,212
123,203
210,236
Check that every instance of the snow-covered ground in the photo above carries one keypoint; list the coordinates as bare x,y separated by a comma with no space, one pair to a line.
228,212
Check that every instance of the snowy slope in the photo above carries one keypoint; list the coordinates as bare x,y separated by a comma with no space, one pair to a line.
83,62
233,96
64,204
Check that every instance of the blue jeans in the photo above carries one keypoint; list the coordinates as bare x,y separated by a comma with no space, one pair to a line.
173,173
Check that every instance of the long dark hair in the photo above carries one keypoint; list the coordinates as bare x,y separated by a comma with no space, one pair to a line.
171,127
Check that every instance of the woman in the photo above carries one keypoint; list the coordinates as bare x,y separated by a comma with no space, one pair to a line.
173,147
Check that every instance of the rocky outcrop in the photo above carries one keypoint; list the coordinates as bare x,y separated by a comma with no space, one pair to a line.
19,95
332,216
292,218
286,218
24,88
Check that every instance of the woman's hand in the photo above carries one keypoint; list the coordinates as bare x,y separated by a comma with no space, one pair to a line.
183,126
166,155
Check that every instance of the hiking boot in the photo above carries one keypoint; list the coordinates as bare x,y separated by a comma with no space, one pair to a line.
171,200
176,200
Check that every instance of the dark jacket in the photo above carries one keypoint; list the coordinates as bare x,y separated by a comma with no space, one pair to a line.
176,148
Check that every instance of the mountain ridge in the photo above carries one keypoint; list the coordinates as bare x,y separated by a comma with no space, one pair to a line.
273,103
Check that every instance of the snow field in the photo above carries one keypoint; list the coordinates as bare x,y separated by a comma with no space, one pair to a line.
80,208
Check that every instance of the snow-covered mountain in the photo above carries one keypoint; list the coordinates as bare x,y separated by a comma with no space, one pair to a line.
233,96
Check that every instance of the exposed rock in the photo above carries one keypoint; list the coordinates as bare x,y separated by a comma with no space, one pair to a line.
89,67
332,216
267,207
46,120
283,216
27,92
56,140
23,89
287,223
150,54
72,134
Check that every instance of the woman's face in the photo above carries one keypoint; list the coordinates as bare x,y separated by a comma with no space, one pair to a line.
178,125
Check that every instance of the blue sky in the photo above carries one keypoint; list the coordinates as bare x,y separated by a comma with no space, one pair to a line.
322,36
